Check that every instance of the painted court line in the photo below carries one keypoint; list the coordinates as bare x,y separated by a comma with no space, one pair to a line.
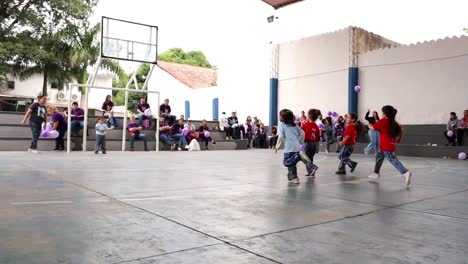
41,202
154,198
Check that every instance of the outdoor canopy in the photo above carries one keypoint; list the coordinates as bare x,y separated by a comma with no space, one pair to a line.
280,3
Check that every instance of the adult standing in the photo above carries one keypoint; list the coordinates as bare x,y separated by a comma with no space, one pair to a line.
165,111
77,119
108,111
373,134
59,123
37,114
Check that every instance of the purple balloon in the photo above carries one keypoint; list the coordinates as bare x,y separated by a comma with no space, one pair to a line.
207,134
298,119
462,156
330,113
450,133
185,131
321,126
53,134
301,147
334,114
48,126
45,133
357,88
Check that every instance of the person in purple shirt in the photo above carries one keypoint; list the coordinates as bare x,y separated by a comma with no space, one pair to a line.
134,132
178,135
165,132
108,110
77,119
202,129
60,124
165,111
141,108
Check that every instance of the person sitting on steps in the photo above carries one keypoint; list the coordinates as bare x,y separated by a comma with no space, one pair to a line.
134,129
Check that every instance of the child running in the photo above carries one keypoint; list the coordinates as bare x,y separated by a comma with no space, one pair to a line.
101,131
293,136
390,133
311,137
349,139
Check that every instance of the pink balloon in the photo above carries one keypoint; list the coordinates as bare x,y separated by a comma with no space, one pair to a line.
357,88
462,156
207,134
450,133
53,134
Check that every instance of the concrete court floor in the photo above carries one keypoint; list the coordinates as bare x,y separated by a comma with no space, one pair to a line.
227,207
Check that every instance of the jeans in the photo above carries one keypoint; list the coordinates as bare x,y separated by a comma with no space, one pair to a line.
273,141
142,117
59,142
205,139
379,159
309,150
76,126
100,143
290,161
140,136
112,121
181,138
346,152
374,146
36,133
165,138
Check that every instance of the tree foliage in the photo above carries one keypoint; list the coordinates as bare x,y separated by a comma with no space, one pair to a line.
37,36
195,58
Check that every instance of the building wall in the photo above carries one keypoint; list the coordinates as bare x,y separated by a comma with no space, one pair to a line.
425,82
97,96
313,73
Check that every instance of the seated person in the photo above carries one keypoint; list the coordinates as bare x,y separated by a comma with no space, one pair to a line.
260,136
193,134
142,106
178,136
233,131
134,129
108,111
224,125
165,132
273,138
165,111
464,128
454,125
246,129
77,117
202,129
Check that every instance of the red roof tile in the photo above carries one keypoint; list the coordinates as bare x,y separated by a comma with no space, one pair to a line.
192,76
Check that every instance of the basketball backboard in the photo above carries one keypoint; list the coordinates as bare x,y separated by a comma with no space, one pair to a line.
131,41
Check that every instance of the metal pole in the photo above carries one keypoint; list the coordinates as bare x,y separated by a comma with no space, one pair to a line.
157,126
69,118
89,83
145,85
124,133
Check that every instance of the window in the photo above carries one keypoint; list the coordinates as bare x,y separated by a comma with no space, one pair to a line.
11,85
54,85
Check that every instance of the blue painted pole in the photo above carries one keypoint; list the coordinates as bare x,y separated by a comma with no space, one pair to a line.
273,102
187,109
215,108
353,80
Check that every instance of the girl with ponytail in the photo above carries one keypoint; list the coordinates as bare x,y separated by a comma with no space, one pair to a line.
390,134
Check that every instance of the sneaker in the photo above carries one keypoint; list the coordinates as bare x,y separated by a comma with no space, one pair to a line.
230,138
96,152
407,176
131,149
187,147
179,149
311,172
227,138
374,176
173,147
29,149
340,172
296,180
34,151
146,149
354,166
214,142
56,149
326,151
104,152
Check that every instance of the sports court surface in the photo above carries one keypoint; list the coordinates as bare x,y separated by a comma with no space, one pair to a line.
227,207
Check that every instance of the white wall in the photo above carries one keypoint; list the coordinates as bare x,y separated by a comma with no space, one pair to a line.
97,96
313,73
425,82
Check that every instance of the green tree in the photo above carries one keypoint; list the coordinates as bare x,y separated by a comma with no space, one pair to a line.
195,58
133,98
36,36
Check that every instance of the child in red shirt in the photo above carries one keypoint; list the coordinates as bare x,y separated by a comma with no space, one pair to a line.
390,134
349,139
312,136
